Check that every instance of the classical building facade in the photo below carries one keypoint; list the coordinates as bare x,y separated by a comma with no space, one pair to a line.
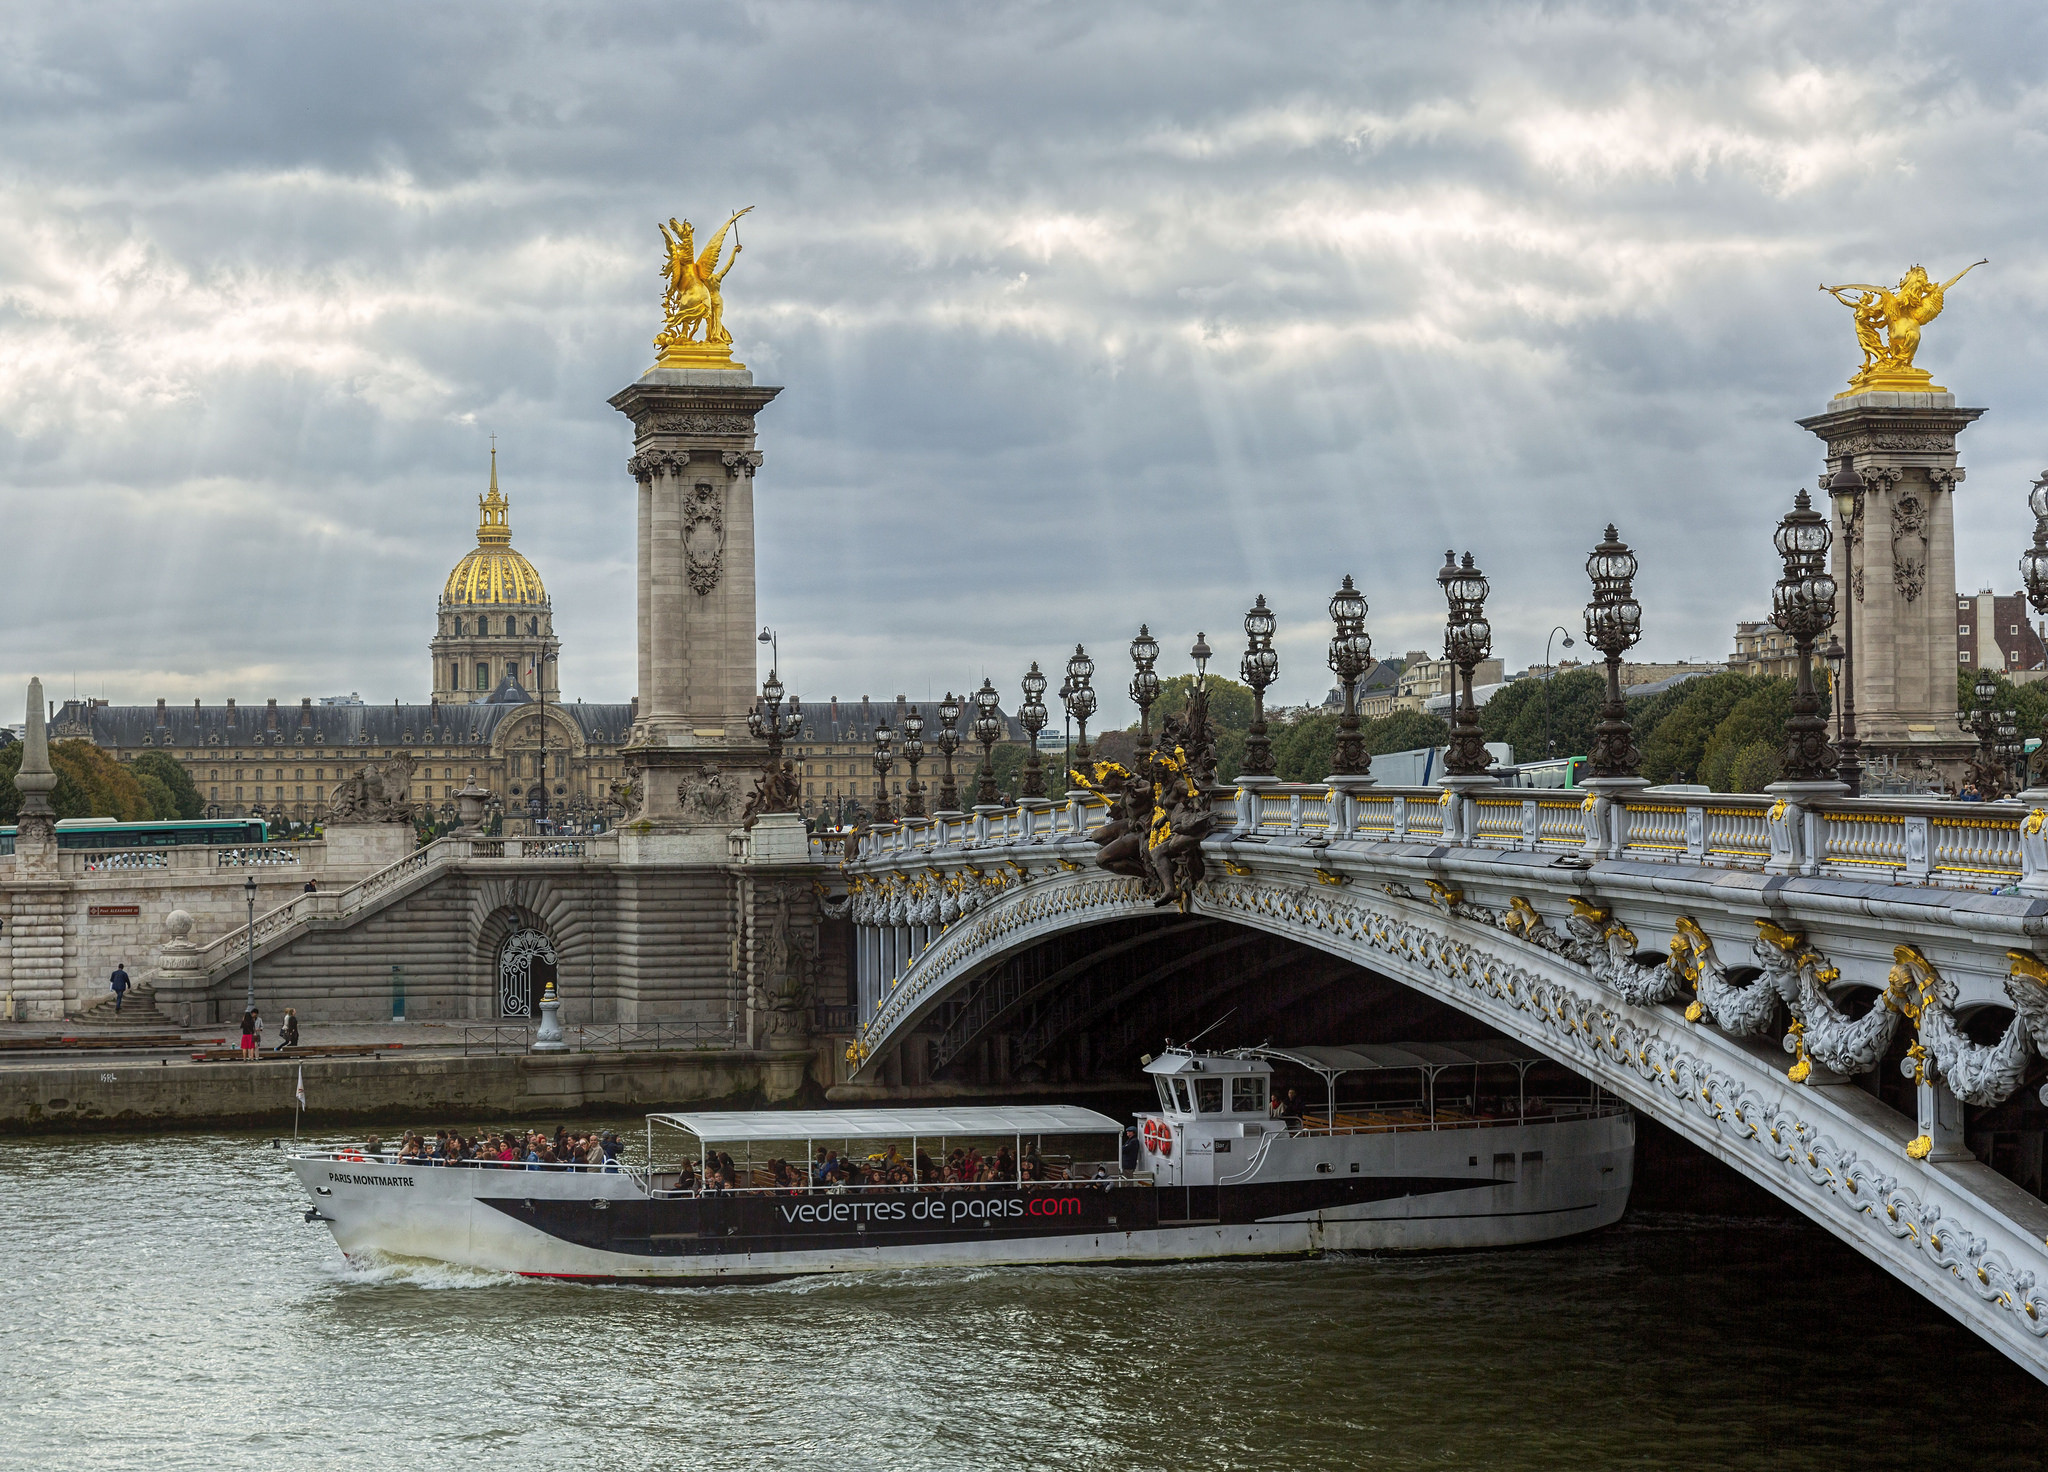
1996,632
496,717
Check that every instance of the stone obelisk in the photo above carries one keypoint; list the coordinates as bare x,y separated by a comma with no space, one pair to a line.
690,759
1896,560
35,932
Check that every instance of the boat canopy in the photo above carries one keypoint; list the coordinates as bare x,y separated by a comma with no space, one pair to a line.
1367,1057
721,1127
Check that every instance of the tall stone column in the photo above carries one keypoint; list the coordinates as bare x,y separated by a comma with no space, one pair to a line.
690,755
1898,566
35,933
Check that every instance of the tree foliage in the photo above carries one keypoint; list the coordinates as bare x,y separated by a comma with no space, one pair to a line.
1677,744
1230,704
185,799
1542,718
90,784
1304,749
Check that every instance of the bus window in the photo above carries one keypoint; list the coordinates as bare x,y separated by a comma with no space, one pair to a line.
1248,1095
1209,1095
1180,1096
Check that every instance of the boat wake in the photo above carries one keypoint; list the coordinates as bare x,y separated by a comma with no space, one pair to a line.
370,1269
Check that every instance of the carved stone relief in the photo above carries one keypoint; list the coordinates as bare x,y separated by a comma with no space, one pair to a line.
695,424
650,463
704,537
741,462
706,796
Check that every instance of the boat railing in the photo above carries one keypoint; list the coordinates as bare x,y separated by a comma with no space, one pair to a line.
390,1159
835,1190
1384,1122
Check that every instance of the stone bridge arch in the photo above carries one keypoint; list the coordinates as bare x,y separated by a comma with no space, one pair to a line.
1961,1236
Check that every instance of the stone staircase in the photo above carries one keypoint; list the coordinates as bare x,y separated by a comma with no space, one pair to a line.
139,1011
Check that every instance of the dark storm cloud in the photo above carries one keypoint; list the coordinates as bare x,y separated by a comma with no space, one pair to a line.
1086,315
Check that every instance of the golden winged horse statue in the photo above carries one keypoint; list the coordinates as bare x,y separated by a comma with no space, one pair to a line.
692,298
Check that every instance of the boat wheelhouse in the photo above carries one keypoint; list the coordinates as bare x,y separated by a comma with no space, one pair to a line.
1438,1150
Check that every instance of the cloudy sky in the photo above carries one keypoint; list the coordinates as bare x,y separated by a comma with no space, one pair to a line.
1085,314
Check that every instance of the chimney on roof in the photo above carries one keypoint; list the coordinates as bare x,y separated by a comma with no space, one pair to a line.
195,705
270,714
835,707
306,710
160,712
863,700
231,710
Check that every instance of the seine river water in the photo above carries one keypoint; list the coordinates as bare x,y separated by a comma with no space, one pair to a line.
165,1306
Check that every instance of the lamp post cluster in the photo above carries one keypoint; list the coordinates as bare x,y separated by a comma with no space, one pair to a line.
913,753
767,722
1031,715
1260,667
1144,684
1078,694
988,730
1999,748
1350,657
1614,622
1468,638
1803,606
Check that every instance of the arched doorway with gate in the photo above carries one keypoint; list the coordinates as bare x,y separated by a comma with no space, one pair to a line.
526,964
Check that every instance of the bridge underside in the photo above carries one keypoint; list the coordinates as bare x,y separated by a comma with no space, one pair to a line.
1086,1006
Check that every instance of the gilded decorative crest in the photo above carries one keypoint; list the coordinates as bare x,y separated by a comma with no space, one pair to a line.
693,334
1888,327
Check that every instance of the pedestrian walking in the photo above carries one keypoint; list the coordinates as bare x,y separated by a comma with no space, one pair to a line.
288,1030
249,1026
118,982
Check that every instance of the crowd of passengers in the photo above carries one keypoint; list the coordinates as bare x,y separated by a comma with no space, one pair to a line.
532,1149
965,1166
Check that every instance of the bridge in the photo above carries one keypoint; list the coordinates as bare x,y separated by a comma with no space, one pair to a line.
1835,997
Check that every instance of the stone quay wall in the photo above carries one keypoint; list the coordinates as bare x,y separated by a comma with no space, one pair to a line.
62,933
424,1091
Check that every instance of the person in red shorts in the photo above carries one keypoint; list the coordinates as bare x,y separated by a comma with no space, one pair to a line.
249,1034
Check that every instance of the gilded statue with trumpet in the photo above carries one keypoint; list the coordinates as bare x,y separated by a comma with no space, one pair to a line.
694,335
1888,327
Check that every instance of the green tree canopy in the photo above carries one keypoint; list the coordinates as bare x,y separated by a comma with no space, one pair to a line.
1230,704
90,784
1404,730
169,771
1304,750
1756,720
1566,707
1677,742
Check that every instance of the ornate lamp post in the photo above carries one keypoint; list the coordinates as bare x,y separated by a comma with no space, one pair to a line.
1144,685
249,890
1549,674
1988,725
913,753
1080,696
988,729
1032,714
2034,568
948,743
2012,751
883,761
1260,667
1201,654
1350,650
1845,486
1803,605
1468,638
766,722
1614,622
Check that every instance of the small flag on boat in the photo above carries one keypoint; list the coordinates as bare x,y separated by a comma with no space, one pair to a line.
302,1086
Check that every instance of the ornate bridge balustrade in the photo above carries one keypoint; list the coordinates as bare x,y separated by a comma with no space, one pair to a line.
1738,968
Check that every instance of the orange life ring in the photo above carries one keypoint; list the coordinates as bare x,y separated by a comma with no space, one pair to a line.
1158,1137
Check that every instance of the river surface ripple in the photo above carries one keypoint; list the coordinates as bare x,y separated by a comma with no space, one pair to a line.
165,1306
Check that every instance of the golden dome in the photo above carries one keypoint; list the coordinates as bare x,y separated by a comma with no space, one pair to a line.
494,573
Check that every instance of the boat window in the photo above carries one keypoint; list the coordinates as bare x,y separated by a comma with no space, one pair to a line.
1209,1095
1248,1095
1165,1093
1180,1095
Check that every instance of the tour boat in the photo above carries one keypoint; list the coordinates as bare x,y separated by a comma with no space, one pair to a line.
1448,1148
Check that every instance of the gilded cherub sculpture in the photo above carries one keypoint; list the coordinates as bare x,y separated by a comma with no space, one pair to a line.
1898,315
692,301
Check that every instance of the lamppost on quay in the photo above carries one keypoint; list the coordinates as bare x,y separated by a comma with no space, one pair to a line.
1080,697
1803,605
766,722
1549,674
1260,667
913,753
883,761
1468,638
1614,622
948,743
249,890
1846,488
1032,714
1350,650
988,729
